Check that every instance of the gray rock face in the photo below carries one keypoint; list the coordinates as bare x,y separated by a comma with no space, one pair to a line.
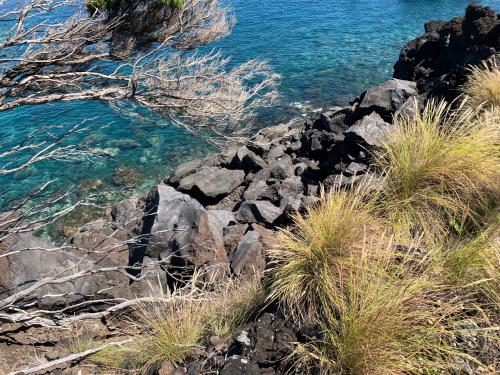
185,169
259,189
247,160
281,168
388,97
31,262
371,129
249,257
190,167
211,183
258,212
409,107
291,193
184,230
275,152
232,236
356,168
333,119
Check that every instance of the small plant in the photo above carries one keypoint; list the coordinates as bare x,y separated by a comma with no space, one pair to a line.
174,331
82,342
440,169
310,255
175,325
483,85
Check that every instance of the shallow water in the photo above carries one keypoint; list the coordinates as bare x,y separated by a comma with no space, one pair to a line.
327,52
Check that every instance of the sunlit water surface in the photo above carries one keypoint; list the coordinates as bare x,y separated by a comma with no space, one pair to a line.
326,51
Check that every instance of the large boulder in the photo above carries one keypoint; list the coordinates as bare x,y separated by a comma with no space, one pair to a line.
92,249
438,59
265,212
370,130
182,233
386,98
211,184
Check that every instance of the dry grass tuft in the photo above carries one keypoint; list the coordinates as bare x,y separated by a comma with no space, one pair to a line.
383,320
440,169
171,330
483,85
176,325
308,256
232,305
474,266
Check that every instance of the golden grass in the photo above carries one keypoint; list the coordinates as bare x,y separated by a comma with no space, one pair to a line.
309,255
474,266
383,321
233,304
440,169
483,85
171,330
82,342
175,326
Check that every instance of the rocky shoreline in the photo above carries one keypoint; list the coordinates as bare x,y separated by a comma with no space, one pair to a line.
219,212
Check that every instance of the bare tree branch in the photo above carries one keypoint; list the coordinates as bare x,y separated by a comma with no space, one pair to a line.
68,359
50,146
128,54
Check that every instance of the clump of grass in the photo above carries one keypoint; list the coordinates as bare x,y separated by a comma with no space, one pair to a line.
82,342
307,257
232,305
440,168
115,358
382,320
483,85
175,331
474,265
175,325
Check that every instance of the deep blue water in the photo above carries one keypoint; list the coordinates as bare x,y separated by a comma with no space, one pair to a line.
327,51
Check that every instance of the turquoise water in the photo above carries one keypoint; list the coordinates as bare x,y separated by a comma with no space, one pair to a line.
327,52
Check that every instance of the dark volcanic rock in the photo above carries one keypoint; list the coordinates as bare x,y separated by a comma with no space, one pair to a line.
386,98
247,160
190,167
211,184
270,340
237,365
438,59
252,211
370,129
182,232
249,255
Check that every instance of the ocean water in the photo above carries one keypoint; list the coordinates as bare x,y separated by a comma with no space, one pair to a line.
326,51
